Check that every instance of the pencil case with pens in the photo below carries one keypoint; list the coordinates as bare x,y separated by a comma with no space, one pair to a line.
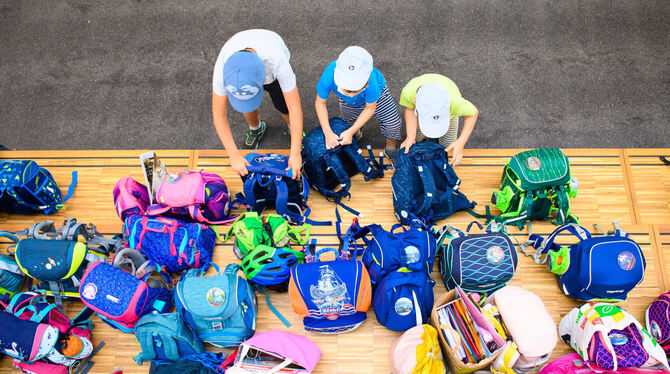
526,324
469,341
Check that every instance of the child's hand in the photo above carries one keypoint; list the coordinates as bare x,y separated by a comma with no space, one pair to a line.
457,147
239,165
345,137
407,144
295,163
332,140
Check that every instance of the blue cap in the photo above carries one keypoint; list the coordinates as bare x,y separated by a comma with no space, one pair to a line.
243,77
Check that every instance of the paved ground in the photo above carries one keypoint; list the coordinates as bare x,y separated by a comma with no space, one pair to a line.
137,74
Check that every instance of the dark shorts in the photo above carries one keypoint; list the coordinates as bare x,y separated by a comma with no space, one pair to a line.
277,96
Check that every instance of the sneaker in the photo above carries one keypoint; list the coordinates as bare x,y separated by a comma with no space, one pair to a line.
254,136
391,155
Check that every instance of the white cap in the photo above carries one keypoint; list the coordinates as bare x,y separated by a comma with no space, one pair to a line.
353,68
433,104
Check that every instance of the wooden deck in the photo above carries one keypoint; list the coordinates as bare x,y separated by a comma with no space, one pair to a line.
629,185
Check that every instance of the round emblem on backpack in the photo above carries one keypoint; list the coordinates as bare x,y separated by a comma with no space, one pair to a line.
626,260
618,338
533,163
351,67
656,331
173,177
215,296
89,291
412,254
495,255
403,306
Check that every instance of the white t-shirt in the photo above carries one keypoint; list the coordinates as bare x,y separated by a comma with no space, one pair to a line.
269,46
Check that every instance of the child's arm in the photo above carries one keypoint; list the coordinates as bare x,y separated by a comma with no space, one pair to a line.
459,144
332,140
220,117
295,117
412,123
362,119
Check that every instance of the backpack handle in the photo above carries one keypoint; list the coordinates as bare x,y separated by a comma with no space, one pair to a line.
467,230
265,169
321,251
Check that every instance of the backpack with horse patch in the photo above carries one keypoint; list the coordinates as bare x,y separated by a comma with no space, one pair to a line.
328,169
165,337
602,268
221,309
478,262
425,185
536,185
26,188
193,195
269,184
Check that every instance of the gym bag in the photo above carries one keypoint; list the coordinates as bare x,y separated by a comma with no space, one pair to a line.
130,198
171,243
425,186
657,320
281,352
595,268
26,188
120,298
536,185
530,331
332,296
411,249
165,337
328,169
193,195
477,262
403,300
221,309
269,184
610,338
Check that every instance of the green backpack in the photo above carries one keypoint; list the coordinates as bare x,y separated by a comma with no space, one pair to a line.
536,185
251,230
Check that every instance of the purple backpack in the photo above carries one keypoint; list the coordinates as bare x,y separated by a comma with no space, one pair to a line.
202,197
130,198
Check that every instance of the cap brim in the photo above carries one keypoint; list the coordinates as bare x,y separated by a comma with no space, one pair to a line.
432,128
246,106
348,81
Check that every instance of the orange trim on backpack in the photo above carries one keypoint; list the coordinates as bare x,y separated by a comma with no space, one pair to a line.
298,304
364,291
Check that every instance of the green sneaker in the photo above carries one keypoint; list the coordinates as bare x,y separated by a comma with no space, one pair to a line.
254,136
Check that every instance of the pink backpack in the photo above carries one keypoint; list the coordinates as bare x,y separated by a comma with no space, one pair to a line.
130,198
572,363
203,197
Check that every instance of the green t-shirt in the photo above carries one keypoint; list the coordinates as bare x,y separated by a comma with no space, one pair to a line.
459,106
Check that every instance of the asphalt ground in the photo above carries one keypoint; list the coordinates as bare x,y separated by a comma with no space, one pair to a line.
137,74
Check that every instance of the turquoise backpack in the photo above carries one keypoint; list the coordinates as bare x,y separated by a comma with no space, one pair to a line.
165,337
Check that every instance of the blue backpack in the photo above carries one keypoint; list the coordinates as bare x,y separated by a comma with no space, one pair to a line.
412,249
425,185
328,169
601,268
269,184
403,300
476,262
26,188
165,337
221,309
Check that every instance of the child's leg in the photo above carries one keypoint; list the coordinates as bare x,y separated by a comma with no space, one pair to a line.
452,134
350,113
389,119
278,100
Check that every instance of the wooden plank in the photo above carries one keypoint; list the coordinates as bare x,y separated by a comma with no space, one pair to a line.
663,244
650,183
603,197
629,186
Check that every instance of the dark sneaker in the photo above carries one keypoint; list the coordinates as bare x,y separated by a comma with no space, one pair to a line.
391,155
254,136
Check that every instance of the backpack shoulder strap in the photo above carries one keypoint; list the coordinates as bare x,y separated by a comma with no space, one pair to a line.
543,246
335,164
422,207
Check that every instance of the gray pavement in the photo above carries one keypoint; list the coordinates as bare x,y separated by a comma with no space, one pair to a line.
137,74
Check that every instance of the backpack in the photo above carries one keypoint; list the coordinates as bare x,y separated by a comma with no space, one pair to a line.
412,249
269,184
56,259
403,300
331,296
328,169
478,262
26,188
610,338
165,337
251,230
193,195
657,320
171,243
572,363
221,309
595,268
530,329
11,275
536,185
425,185
417,351
130,198
120,298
